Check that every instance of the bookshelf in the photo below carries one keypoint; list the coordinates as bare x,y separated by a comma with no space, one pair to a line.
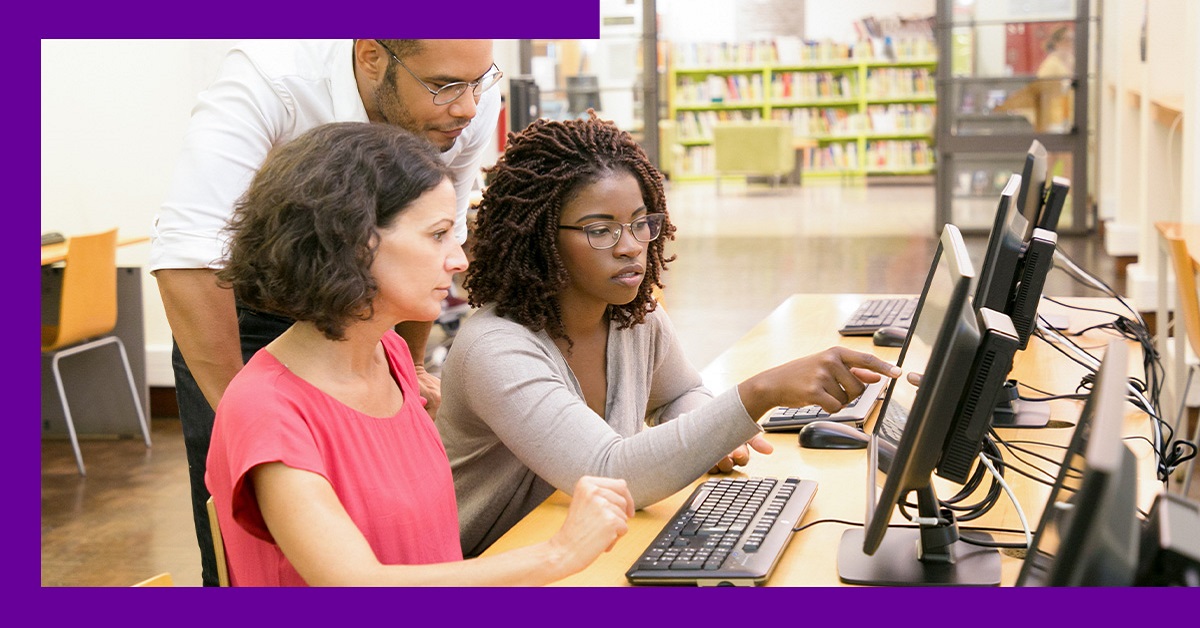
869,115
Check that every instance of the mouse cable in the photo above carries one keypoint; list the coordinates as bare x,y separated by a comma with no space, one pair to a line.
1072,268
1047,477
857,524
1015,445
1016,504
990,499
1157,424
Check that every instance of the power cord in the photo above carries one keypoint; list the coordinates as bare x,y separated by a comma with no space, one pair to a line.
1016,504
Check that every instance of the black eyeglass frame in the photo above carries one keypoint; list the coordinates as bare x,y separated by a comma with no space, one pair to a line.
473,86
651,219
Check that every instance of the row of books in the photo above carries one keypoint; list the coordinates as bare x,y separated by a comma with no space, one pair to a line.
895,26
899,82
724,54
696,160
698,125
836,156
787,50
717,88
832,121
902,118
807,86
804,86
826,122
899,155
891,49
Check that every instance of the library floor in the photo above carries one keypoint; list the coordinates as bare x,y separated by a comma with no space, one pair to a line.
740,254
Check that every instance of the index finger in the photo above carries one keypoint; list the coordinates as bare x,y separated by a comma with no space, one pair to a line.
870,362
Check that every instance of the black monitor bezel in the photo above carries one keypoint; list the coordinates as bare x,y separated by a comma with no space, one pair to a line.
911,465
1090,539
1006,243
1034,176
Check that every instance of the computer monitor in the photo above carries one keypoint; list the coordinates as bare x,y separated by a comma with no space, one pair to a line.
1089,530
1011,279
1033,186
917,423
1006,243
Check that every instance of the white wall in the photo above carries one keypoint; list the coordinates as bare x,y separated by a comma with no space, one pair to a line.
114,113
113,118
1149,157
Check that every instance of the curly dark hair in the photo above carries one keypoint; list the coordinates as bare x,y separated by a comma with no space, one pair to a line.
303,236
515,258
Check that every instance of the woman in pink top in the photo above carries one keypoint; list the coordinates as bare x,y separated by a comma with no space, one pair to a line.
324,467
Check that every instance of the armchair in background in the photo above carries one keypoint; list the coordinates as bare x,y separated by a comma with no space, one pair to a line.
753,148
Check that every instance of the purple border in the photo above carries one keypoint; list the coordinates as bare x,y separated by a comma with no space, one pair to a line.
464,18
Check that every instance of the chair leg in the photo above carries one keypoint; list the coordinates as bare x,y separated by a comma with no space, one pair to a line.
62,396
137,399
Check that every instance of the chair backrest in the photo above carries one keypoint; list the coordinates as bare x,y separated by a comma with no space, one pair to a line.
218,544
1189,300
762,147
88,303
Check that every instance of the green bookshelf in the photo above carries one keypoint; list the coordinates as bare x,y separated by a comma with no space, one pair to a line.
868,116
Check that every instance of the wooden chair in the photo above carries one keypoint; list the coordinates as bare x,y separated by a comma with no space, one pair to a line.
87,315
218,544
161,580
1189,313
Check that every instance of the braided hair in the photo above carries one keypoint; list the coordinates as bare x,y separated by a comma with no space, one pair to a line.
515,258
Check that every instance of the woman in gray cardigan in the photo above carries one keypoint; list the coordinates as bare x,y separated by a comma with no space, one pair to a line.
568,358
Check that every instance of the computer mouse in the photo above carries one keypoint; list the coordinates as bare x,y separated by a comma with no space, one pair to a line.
890,336
832,435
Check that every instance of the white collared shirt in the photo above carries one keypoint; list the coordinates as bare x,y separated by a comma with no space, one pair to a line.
267,93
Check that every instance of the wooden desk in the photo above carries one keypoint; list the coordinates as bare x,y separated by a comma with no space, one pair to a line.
804,324
54,253
98,394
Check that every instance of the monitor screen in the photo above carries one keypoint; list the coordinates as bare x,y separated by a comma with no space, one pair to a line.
914,421
939,347
998,269
1033,186
1089,529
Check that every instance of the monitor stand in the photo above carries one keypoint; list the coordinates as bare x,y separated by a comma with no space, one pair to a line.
930,555
1012,412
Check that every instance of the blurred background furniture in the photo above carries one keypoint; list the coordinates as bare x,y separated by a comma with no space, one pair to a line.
759,148
86,318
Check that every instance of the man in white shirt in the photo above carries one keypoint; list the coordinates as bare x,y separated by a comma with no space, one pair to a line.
267,93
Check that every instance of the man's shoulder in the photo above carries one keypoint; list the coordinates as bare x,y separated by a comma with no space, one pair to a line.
306,58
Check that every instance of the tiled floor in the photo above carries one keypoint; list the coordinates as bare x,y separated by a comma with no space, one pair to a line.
740,254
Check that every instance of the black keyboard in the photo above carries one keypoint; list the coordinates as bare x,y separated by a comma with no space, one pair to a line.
791,419
892,422
731,531
876,313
